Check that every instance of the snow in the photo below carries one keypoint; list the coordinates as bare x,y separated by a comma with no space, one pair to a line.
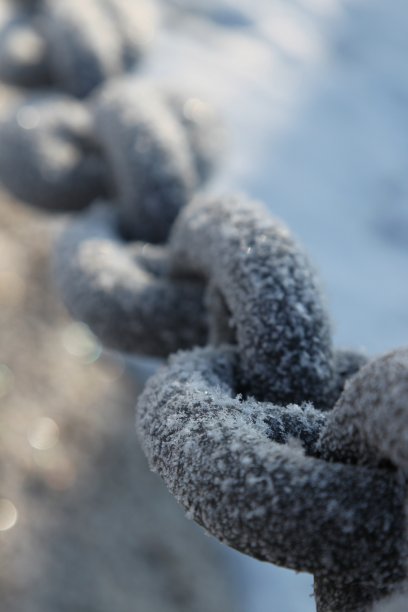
315,97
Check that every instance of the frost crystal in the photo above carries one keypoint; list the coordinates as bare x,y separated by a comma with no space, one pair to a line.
252,487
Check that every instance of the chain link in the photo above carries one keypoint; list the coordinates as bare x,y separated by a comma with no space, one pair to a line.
266,479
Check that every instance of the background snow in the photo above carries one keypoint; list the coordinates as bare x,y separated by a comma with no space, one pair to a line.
315,97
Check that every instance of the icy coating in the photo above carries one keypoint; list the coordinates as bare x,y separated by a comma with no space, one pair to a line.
72,45
250,473
369,423
129,142
282,481
270,291
129,295
123,290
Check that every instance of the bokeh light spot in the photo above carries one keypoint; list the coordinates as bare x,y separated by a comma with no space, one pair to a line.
44,435
196,110
80,342
8,514
28,118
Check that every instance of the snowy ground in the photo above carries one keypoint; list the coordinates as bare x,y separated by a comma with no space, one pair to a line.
315,97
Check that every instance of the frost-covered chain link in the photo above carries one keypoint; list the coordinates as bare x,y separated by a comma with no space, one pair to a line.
147,149
273,305
267,480
242,434
72,45
123,290
139,153
140,150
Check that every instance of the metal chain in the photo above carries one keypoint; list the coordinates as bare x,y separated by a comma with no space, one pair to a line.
278,444
245,434
73,46
137,148
264,477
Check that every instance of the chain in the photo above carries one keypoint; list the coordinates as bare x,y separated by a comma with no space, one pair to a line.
137,148
130,142
72,45
265,479
143,151
274,441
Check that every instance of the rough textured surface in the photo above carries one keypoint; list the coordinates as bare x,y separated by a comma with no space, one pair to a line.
73,45
96,531
123,290
248,472
369,426
127,294
270,290
370,421
346,363
396,603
